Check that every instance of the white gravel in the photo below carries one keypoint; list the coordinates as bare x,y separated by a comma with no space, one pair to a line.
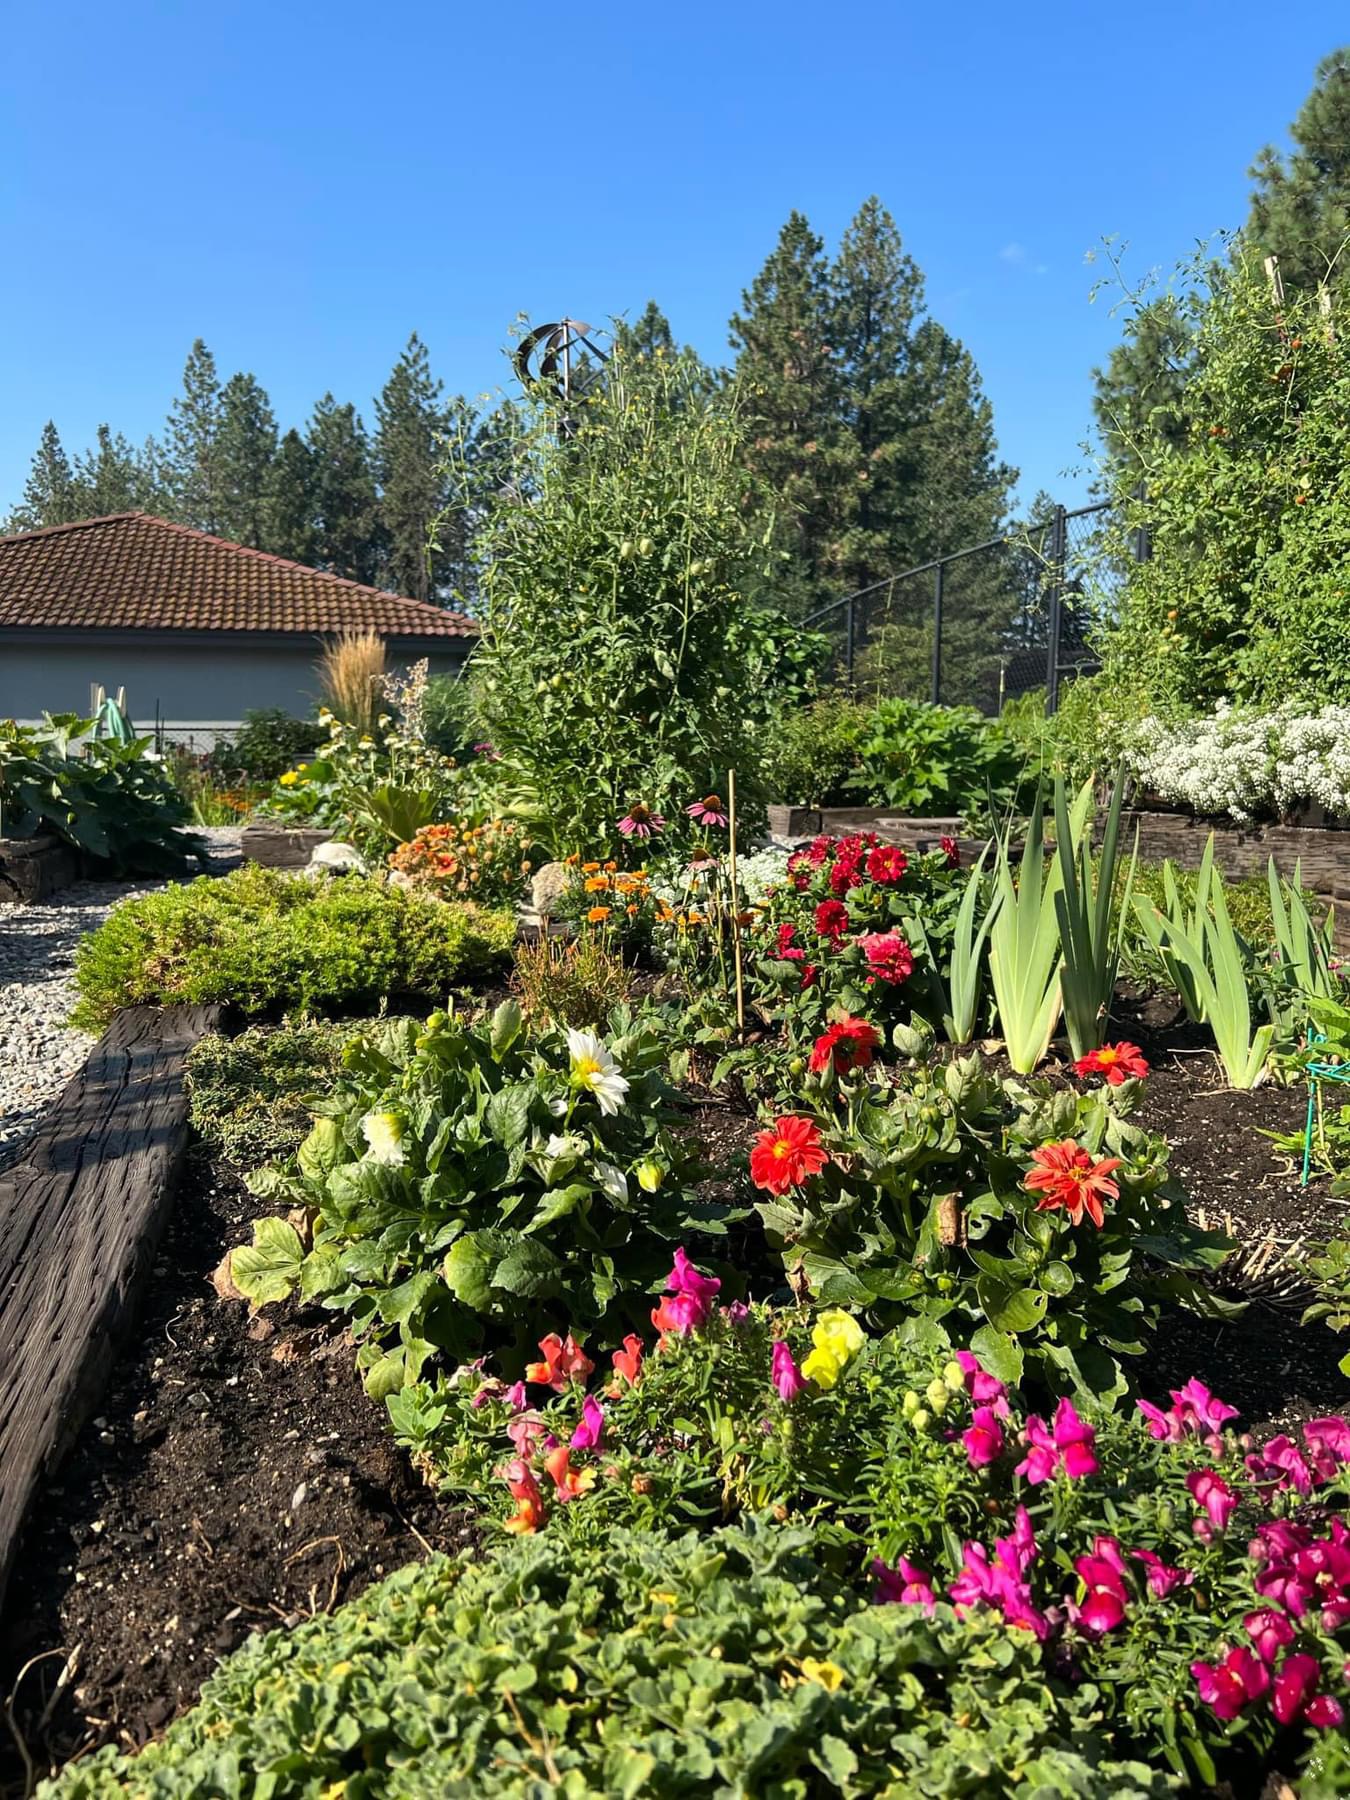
38,1051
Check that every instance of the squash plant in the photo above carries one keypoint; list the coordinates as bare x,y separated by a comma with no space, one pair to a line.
463,1180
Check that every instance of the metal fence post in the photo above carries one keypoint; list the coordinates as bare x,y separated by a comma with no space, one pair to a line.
848,654
1059,533
1142,546
937,634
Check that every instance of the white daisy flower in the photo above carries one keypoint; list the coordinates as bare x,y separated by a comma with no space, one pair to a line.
383,1131
594,1069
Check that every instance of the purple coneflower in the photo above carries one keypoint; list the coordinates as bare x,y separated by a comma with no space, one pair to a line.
641,822
708,810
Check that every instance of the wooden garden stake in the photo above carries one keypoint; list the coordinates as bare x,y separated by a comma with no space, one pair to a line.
735,906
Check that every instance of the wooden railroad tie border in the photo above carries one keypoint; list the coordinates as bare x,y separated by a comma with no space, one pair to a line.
81,1216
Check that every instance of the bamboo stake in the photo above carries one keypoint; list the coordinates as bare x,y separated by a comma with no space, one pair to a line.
735,906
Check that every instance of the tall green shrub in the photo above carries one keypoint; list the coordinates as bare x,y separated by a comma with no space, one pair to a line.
622,660
1245,596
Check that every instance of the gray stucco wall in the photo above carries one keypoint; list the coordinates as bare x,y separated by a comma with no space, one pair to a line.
200,683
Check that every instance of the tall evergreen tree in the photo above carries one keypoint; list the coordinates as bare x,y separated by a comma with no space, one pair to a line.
790,385
189,464
291,529
346,508
111,478
876,301
411,421
1300,209
244,458
50,496
647,335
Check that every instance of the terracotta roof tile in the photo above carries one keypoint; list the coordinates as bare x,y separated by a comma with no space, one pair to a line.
133,572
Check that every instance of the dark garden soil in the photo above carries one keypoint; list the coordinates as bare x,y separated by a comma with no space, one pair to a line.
237,1477
1275,1371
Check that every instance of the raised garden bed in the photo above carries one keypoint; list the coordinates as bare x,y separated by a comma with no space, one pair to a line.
237,1477
282,846
32,868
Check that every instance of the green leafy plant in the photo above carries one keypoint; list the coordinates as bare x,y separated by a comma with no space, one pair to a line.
935,760
958,997
1210,965
578,981
734,1662
268,742
1329,1270
809,752
461,1177
1089,946
252,1096
1025,951
624,656
921,1212
114,800
265,941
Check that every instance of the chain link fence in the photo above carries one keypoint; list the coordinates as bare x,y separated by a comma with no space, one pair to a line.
981,625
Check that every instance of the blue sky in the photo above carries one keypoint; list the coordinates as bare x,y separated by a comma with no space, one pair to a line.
302,185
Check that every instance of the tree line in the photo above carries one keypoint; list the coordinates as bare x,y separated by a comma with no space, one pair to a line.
865,414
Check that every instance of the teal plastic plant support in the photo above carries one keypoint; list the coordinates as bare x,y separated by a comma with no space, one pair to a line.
1318,1072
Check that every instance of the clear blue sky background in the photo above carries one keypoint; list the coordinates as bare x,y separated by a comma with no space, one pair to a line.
304,184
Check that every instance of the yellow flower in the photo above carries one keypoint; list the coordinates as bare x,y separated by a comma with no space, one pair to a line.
290,778
828,1674
837,1339
596,884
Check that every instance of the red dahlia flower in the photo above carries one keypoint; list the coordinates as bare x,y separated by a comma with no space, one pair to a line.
848,1044
1114,1061
783,1157
1065,1176
886,865
832,920
889,957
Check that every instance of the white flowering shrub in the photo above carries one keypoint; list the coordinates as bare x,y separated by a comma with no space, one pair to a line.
1247,764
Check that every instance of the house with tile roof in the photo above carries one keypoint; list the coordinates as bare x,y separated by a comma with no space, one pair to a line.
197,630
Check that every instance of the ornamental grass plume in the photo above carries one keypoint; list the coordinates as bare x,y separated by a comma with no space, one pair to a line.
351,673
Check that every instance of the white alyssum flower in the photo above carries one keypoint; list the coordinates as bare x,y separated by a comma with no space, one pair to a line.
1245,764
595,1070
383,1131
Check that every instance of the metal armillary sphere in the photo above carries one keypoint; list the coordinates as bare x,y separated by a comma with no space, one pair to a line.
545,359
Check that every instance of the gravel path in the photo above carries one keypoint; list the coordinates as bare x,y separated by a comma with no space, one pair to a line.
38,1052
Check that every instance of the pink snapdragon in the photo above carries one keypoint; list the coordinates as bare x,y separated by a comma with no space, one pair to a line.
1295,1697
786,1376
690,1299
1270,1631
591,1428
1001,1584
1282,1463
1313,1577
1194,1410
983,1388
1103,1576
1230,1686
1328,1442
1069,1447
1210,1491
904,1585
1162,1577
983,1438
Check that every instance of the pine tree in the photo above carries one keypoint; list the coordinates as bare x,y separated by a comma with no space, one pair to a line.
244,457
876,294
1300,208
648,336
1140,395
291,529
346,509
111,478
411,422
790,389
189,457
50,496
